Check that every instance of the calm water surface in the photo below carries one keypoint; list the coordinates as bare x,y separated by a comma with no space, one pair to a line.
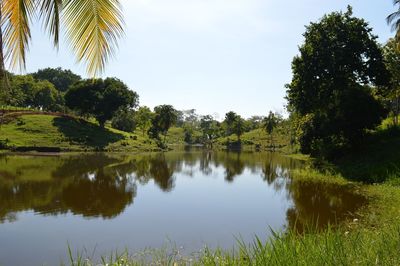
105,202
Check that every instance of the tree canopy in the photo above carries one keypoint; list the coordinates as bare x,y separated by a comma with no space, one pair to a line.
60,78
100,98
164,117
331,86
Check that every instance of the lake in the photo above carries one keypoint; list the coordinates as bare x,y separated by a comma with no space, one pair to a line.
106,202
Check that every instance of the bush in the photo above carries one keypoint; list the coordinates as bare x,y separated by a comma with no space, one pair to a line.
124,120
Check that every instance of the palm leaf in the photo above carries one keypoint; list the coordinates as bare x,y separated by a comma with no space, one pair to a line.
17,15
50,13
93,28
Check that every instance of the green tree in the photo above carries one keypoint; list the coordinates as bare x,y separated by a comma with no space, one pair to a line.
255,122
100,98
46,97
143,118
270,123
229,122
91,29
330,91
164,117
239,127
27,92
124,119
210,129
235,124
392,61
60,78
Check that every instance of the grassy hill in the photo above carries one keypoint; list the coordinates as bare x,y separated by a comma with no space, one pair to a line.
42,132
259,138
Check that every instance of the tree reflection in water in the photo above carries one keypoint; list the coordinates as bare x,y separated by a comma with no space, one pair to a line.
103,185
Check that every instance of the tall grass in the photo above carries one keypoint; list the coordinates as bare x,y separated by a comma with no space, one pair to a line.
330,247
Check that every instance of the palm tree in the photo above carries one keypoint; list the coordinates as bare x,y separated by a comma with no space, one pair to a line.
91,27
394,20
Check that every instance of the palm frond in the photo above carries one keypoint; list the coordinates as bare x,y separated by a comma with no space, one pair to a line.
50,13
17,16
93,28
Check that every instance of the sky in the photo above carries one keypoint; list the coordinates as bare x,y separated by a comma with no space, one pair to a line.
214,56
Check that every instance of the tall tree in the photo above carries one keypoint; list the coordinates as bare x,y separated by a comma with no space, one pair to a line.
332,76
270,122
165,116
229,121
394,20
92,29
392,61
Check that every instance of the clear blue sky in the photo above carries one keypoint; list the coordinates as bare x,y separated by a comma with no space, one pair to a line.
211,55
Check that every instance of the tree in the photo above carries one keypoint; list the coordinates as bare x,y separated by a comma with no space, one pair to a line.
61,79
392,61
239,127
210,128
100,98
165,116
394,20
330,90
255,122
46,97
229,121
143,118
124,119
235,124
270,122
27,92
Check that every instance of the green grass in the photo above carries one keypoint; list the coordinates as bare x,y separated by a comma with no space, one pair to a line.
68,134
376,161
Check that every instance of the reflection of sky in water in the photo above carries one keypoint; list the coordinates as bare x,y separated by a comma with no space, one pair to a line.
140,201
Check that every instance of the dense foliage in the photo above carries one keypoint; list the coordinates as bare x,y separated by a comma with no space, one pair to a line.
331,87
62,79
164,117
391,97
100,98
124,119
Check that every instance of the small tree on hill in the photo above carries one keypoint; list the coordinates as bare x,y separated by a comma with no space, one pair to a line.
235,124
210,128
143,118
100,98
164,117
